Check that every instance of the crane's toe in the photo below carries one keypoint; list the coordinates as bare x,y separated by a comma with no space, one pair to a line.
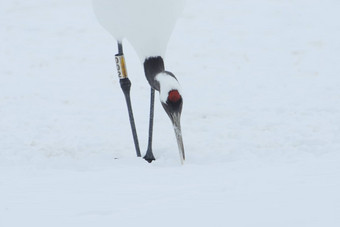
149,157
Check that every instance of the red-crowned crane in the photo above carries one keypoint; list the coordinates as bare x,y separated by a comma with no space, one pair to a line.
147,24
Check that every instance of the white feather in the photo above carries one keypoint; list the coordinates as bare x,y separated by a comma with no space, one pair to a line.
147,24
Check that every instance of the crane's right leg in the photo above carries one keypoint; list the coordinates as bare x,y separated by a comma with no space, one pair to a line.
125,84
149,157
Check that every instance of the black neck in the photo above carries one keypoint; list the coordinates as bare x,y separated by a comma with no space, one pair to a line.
153,66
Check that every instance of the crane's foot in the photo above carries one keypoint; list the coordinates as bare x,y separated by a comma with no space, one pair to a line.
149,156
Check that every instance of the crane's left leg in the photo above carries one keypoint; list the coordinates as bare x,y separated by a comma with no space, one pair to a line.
149,157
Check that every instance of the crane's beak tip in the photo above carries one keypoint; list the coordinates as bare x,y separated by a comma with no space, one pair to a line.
175,118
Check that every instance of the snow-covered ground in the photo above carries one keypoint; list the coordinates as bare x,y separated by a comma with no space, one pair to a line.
261,119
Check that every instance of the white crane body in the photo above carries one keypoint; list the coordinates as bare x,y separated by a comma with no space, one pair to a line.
147,24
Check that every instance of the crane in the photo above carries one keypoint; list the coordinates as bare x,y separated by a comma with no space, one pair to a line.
147,24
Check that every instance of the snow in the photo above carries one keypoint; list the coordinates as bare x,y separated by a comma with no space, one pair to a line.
260,121
150,27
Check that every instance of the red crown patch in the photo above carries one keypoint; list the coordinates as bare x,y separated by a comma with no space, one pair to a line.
174,96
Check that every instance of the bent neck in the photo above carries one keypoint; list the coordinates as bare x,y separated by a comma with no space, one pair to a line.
152,67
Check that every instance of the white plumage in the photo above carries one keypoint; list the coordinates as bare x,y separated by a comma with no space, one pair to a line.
147,24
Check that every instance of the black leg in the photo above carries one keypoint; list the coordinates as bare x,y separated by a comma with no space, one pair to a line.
125,84
149,155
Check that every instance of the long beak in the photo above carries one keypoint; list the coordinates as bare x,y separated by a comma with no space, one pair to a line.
176,122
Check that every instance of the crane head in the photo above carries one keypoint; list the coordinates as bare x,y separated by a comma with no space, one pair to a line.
172,102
